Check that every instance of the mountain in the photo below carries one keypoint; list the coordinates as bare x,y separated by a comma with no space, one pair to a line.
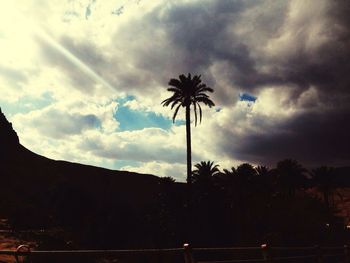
8,137
18,163
38,192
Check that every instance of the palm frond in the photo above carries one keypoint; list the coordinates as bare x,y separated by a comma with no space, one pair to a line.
200,113
204,87
175,83
175,90
176,101
195,113
175,113
202,95
183,79
206,101
196,80
167,101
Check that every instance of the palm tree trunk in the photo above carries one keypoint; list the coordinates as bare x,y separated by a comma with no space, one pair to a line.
188,140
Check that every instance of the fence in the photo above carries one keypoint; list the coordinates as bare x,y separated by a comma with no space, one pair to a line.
264,253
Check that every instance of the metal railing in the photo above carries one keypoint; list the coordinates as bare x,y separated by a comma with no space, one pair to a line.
187,254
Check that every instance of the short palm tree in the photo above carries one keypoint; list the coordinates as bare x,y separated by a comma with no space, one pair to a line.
262,170
205,172
323,179
245,170
188,91
291,176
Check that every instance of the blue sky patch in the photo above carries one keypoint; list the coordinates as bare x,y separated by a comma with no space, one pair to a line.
130,119
247,97
26,104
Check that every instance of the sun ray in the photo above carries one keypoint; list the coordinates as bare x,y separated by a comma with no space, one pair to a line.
72,58
20,28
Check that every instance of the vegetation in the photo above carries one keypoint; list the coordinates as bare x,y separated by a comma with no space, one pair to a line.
188,91
245,205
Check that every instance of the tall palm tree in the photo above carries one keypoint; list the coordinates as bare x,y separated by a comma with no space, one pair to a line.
188,91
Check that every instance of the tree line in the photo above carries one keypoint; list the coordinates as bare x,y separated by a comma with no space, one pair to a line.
248,204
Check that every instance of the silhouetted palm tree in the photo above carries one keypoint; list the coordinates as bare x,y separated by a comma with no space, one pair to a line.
166,180
246,170
205,171
264,180
291,175
323,179
262,170
188,91
231,172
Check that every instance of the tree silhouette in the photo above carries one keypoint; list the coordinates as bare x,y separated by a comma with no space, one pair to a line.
204,173
229,173
262,170
323,179
188,91
246,170
291,176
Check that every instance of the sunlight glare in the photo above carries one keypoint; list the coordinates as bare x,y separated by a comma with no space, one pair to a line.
17,41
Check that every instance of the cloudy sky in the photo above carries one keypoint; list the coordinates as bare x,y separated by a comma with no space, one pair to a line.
83,80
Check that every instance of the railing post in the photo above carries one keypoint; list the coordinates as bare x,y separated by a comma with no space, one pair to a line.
346,254
22,248
188,254
266,253
319,254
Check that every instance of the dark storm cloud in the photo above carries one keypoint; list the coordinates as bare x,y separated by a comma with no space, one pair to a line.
193,37
312,138
202,31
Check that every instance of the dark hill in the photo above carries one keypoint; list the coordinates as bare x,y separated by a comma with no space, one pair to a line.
20,164
91,203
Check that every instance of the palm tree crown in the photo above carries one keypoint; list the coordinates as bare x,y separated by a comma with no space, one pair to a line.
188,91
205,171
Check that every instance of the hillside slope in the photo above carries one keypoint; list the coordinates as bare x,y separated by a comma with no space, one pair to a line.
38,192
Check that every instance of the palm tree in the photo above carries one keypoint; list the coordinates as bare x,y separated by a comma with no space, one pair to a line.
205,172
229,173
264,180
262,170
246,170
188,91
323,179
291,176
